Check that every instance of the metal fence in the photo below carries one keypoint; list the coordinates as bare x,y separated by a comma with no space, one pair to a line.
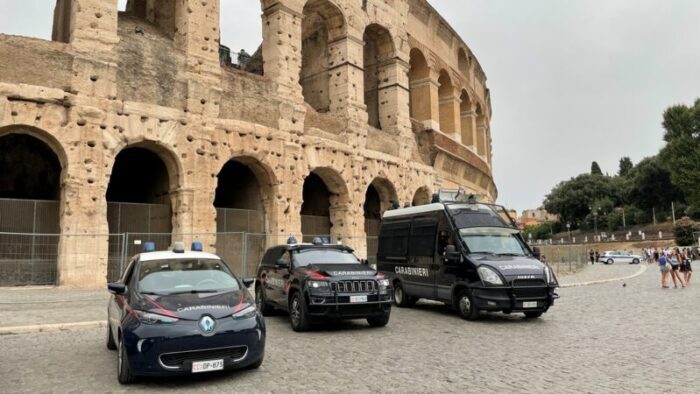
565,259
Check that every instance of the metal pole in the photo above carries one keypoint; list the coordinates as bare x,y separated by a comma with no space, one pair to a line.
244,255
673,212
624,223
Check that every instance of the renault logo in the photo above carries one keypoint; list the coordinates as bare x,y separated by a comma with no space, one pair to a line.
207,324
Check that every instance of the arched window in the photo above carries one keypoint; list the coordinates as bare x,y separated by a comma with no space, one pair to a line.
419,82
379,47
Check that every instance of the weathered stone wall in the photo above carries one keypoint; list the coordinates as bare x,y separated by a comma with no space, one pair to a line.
151,78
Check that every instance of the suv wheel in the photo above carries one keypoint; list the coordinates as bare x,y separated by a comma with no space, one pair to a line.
260,302
401,299
298,316
124,374
379,321
465,305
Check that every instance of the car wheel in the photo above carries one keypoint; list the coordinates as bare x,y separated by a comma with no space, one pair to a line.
256,364
111,345
465,305
124,374
298,315
635,261
379,321
401,299
533,314
260,302
610,261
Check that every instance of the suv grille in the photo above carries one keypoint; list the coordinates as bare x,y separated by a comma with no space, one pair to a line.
179,359
354,286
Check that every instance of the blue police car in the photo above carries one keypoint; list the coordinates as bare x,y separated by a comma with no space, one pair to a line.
181,312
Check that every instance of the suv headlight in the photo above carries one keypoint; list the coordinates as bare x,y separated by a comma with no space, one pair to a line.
488,275
153,318
384,284
246,313
318,286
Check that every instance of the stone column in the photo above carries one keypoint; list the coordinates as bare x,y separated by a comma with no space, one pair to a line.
481,139
425,102
282,49
469,128
394,97
450,120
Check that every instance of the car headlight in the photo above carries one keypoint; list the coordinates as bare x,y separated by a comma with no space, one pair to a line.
489,276
384,284
317,284
246,313
153,318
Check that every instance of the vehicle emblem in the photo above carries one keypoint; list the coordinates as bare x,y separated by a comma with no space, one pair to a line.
207,324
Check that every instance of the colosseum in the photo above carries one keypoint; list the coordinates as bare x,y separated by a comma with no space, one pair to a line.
134,125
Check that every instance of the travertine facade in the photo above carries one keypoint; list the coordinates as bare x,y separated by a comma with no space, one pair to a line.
359,93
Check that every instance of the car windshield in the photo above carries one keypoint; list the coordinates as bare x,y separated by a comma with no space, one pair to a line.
305,257
493,240
173,276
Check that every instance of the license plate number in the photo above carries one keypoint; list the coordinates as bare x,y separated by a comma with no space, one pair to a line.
530,304
362,298
206,366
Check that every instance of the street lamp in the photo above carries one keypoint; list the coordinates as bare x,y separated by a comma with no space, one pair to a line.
568,229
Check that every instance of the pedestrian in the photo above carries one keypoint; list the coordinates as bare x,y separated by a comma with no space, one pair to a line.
543,259
656,255
675,260
591,255
665,268
686,268
597,256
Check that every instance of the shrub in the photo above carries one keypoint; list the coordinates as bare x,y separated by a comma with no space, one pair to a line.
683,232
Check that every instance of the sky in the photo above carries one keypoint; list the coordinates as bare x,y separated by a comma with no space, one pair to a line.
571,81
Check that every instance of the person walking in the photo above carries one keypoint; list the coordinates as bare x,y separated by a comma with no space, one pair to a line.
591,255
675,260
656,255
597,256
686,269
665,268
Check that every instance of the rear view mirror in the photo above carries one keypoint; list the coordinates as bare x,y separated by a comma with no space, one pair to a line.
536,252
116,288
451,253
280,263
247,282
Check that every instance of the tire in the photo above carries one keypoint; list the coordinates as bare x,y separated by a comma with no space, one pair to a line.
401,299
256,364
379,321
464,303
111,345
533,314
261,303
298,315
124,373
610,262
635,261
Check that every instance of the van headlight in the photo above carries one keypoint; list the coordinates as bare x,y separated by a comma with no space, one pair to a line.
488,275
549,275
245,313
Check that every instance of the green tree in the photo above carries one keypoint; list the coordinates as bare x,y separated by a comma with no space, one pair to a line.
625,166
681,155
572,200
595,169
538,231
648,185
683,232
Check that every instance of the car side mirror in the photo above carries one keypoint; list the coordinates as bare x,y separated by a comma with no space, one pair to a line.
364,261
116,288
452,254
281,264
247,282
536,252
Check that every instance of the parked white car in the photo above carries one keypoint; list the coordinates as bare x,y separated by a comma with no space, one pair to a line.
619,256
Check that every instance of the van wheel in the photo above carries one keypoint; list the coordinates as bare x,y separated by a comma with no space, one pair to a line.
465,305
298,317
260,302
401,299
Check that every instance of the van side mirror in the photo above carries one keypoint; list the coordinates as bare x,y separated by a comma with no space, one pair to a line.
280,263
247,282
452,254
536,252
116,288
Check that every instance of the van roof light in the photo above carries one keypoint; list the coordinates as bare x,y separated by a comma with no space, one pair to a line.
317,241
291,240
149,247
197,246
179,247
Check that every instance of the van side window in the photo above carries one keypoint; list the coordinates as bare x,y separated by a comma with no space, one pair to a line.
422,240
393,239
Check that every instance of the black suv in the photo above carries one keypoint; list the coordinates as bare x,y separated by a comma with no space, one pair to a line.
320,281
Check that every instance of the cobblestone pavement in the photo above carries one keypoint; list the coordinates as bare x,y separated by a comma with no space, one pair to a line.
600,338
597,272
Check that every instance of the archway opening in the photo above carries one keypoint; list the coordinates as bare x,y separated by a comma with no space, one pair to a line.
316,208
138,202
447,99
161,14
421,197
241,36
322,24
30,190
468,119
480,131
378,49
379,197
419,82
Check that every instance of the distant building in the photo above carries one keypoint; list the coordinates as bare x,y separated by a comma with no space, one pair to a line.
536,216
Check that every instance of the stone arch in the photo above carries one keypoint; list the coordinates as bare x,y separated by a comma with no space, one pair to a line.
422,196
379,197
481,126
32,169
378,50
419,83
325,204
468,126
463,62
322,24
161,13
448,110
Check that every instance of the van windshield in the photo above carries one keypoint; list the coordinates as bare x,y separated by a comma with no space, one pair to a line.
493,240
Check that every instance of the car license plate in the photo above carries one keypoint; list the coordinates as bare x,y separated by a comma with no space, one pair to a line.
206,366
362,298
530,304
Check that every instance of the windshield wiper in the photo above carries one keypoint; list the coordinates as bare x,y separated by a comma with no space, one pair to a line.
193,292
152,293
509,254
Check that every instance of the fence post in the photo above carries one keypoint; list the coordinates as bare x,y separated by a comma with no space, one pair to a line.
125,239
244,256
